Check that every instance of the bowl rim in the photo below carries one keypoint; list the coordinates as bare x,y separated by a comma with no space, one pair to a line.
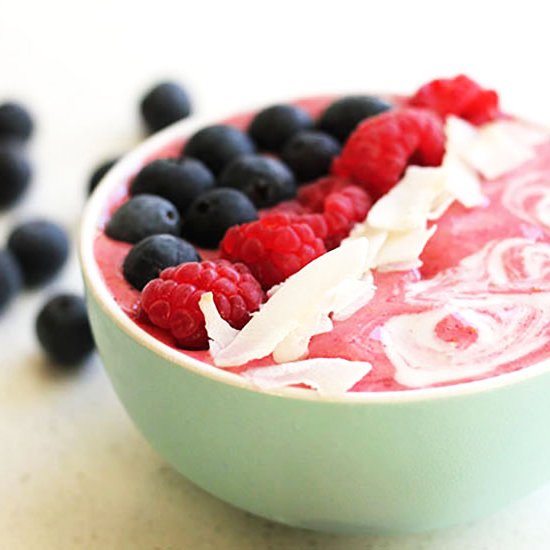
91,215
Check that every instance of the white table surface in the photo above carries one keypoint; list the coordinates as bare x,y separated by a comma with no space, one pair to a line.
74,472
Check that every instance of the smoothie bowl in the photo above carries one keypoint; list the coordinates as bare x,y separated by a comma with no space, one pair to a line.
379,359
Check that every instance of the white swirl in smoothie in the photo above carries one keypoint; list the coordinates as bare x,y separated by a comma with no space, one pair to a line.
529,199
491,310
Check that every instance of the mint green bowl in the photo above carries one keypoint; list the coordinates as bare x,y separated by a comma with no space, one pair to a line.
389,462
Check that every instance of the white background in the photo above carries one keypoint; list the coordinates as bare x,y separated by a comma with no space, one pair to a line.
74,473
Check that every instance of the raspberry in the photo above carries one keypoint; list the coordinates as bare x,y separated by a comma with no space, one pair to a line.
381,147
171,302
342,210
312,196
274,247
459,96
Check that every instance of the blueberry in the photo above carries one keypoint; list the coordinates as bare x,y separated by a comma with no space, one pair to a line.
41,249
99,172
15,122
164,104
150,256
10,278
142,216
272,127
342,116
180,182
15,175
264,180
63,330
218,145
213,213
309,154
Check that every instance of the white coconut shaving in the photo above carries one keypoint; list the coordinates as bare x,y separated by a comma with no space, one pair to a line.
329,376
299,309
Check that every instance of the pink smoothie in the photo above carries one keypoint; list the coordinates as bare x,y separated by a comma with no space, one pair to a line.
478,307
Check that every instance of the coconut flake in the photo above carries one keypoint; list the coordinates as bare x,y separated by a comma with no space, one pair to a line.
219,331
329,376
501,146
299,309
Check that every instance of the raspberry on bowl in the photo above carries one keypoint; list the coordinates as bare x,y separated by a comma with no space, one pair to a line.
171,302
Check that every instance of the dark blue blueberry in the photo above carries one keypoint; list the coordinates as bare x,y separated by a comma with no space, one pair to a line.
213,213
99,172
264,180
41,249
63,330
150,256
272,127
218,145
179,181
143,216
15,175
341,117
15,122
164,104
309,154
10,278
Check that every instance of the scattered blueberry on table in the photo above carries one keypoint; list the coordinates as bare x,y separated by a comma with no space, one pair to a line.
41,248
165,104
11,280
99,172
15,175
15,122
63,330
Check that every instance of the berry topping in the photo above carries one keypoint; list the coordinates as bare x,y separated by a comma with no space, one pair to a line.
272,127
218,145
99,173
380,149
312,196
15,122
342,117
10,278
264,180
150,256
273,248
15,175
63,330
164,104
342,210
171,302
309,154
41,249
178,181
213,213
460,96
142,216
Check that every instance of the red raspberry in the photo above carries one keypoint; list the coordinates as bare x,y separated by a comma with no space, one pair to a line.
273,247
460,96
342,210
171,302
312,196
378,151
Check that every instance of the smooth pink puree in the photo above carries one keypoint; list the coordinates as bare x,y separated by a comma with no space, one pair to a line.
493,304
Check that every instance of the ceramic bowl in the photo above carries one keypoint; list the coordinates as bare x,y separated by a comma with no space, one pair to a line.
389,462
